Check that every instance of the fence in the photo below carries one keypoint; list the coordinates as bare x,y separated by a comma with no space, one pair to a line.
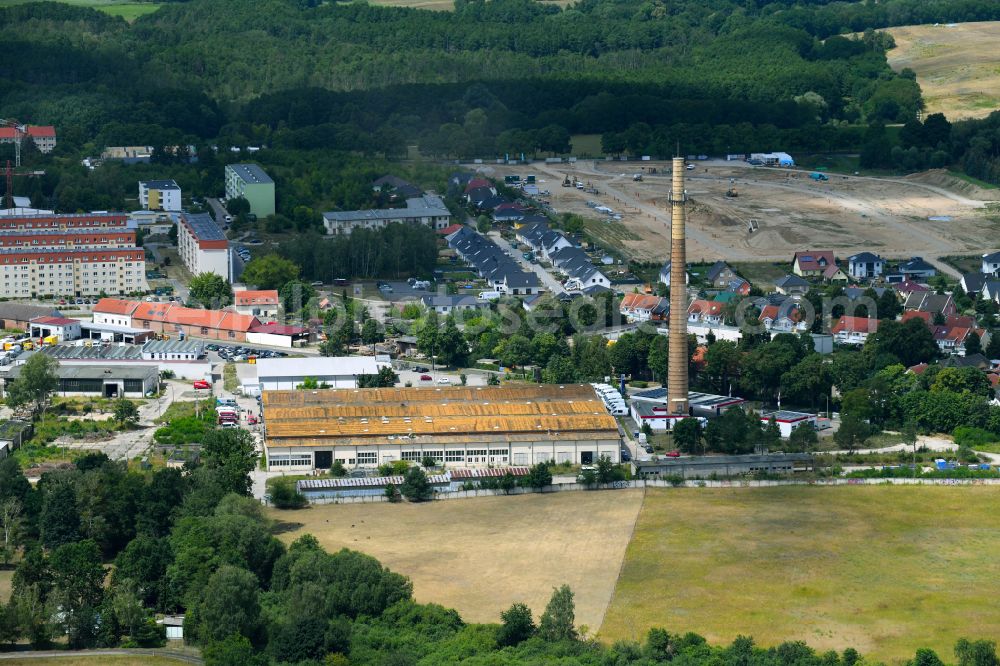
659,483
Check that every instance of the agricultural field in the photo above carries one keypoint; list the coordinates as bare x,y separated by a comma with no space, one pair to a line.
481,555
885,570
129,11
847,213
957,65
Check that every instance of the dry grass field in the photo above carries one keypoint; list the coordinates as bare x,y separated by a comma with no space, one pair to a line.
96,660
957,65
481,555
846,214
886,570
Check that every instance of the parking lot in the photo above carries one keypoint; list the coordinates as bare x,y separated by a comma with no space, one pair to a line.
237,353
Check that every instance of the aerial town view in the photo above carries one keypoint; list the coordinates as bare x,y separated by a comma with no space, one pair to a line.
500,332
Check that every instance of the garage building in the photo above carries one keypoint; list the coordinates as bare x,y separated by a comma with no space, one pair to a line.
455,425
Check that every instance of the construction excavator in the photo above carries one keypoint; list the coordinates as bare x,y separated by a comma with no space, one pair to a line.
731,192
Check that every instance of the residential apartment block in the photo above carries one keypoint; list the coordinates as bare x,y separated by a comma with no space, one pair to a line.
428,210
202,245
253,184
44,136
160,195
69,255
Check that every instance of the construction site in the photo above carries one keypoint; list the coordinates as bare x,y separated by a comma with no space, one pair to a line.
739,212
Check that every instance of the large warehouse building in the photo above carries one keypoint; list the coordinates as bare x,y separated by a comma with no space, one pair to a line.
457,425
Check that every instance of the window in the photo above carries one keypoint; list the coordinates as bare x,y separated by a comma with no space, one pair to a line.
454,456
367,457
520,458
412,456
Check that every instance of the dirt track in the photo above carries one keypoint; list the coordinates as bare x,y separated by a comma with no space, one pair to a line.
846,214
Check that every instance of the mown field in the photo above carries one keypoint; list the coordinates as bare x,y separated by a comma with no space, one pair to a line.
957,65
885,570
129,11
481,555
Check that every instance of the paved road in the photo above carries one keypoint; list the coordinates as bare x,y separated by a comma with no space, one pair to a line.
551,284
219,211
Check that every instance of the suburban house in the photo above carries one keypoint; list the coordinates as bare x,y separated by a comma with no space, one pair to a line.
927,301
953,334
812,263
719,275
865,266
446,304
509,212
853,330
916,269
792,285
705,312
972,283
991,290
665,275
785,317
738,286
551,242
644,307
396,187
905,288
580,270
991,264
261,303
501,272
834,273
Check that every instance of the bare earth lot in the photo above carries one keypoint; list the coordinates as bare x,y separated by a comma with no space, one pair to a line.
847,214
481,555
885,570
957,65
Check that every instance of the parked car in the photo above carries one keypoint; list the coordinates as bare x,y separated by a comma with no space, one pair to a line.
444,380
420,368
202,384
425,378
673,454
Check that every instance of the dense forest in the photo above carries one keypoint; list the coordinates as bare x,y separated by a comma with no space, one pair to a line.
313,80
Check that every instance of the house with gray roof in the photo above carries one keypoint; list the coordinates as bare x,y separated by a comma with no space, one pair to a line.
446,304
991,264
865,266
792,285
428,210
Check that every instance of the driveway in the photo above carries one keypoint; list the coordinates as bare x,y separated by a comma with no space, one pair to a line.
551,284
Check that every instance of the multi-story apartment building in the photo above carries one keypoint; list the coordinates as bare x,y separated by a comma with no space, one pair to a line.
44,136
250,182
428,210
69,255
202,245
160,195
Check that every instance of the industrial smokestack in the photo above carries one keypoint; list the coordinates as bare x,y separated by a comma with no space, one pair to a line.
677,373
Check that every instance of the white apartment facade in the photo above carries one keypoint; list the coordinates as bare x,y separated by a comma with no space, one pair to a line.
202,245
160,195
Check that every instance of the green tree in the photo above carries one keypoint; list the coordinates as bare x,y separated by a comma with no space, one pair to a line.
230,603
453,350
211,290
803,438
144,563
78,589
607,471
231,454
126,412
687,435
270,272
992,350
852,432
60,520
35,383
233,650
371,332
539,476
416,487
295,295
516,625
556,623
976,653
973,344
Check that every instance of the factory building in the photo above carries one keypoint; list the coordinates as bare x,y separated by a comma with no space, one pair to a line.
651,407
455,425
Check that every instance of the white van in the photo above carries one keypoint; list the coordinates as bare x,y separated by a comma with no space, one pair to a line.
489,295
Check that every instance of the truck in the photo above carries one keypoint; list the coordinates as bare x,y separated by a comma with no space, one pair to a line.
817,176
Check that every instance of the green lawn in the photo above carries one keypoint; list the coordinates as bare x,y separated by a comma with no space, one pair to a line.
763,274
885,570
129,11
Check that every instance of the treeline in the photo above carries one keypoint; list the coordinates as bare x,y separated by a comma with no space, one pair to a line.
398,250
100,549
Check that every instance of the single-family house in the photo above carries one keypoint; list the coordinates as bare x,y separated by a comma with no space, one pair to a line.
260,303
792,285
991,290
853,330
927,301
865,266
665,275
812,263
991,264
785,317
739,286
644,307
446,304
916,269
972,283
706,312
720,274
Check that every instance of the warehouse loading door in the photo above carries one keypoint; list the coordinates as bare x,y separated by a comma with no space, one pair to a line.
324,459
